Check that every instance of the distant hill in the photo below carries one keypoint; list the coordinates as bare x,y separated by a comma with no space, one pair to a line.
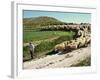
41,21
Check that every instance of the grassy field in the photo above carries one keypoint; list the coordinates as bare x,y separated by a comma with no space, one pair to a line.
42,35
46,41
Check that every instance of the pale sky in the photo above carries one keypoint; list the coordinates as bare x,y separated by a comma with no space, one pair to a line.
62,16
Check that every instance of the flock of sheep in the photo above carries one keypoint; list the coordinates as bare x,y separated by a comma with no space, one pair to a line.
71,27
82,38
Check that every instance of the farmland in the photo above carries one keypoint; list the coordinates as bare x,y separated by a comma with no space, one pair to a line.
42,35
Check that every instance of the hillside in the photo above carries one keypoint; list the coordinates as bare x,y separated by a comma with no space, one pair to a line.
41,21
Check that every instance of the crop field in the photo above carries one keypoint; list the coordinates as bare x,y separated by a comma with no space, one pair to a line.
42,35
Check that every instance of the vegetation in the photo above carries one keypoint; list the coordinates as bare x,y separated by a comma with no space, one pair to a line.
86,62
45,46
48,45
41,21
42,35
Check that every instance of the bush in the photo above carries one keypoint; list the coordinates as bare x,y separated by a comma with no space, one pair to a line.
26,53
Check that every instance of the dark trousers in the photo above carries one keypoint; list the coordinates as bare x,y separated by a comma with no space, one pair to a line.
31,52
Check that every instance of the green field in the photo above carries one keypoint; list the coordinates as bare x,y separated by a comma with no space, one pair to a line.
42,35
47,41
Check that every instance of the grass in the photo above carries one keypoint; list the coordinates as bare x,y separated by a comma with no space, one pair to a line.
42,35
26,54
86,62
44,46
48,45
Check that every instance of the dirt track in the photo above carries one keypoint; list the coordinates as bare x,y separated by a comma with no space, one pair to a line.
59,61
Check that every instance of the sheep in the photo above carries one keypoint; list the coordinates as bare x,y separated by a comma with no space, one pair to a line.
59,47
73,46
82,42
88,40
82,39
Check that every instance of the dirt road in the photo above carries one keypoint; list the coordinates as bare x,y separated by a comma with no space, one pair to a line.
59,61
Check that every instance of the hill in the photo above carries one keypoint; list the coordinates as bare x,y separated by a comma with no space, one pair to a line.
41,21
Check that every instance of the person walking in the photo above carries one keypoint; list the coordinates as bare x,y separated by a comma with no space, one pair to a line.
31,48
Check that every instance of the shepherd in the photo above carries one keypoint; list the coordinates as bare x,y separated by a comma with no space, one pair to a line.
31,48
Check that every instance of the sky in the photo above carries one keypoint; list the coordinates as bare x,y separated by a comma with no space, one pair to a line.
62,16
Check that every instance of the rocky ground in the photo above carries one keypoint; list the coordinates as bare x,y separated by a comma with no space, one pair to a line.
59,61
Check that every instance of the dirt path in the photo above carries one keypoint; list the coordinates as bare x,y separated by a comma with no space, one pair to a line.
59,61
